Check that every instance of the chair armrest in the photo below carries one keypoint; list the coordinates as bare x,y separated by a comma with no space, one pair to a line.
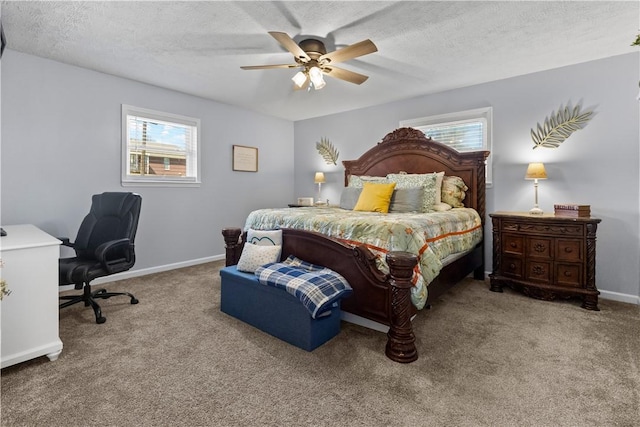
66,242
104,249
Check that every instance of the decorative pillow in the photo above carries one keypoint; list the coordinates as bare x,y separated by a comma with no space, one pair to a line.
264,237
349,197
254,256
375,197
407,200
453,191
427,181
357,181
441,207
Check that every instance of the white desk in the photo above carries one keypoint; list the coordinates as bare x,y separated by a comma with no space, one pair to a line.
29,315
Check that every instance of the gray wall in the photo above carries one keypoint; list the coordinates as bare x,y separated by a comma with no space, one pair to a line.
598,165
61,143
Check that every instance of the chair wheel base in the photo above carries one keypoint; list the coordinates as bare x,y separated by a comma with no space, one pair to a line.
89,300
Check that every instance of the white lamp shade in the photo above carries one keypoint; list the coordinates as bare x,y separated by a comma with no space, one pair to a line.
536,171
315,74
319,178
299,79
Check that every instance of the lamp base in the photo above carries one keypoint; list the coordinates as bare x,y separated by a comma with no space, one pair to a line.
536,211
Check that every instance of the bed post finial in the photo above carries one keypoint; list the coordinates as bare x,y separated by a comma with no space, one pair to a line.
401,342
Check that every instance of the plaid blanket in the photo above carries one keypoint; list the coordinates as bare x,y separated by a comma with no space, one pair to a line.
315,286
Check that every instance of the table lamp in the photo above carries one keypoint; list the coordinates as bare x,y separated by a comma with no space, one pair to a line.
535,171
319,179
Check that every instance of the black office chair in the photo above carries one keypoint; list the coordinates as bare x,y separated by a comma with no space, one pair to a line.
104,246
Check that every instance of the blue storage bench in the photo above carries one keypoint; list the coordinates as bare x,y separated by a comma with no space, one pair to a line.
275,311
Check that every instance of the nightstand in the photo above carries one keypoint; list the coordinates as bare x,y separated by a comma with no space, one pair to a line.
545,256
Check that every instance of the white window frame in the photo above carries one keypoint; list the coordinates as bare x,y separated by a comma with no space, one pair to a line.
192,179
479,114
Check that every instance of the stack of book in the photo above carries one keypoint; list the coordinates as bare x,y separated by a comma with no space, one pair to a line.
572,210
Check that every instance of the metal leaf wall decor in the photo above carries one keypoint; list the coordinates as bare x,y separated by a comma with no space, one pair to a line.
327,151
559,126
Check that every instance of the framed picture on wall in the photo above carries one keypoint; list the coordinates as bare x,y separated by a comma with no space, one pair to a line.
245,159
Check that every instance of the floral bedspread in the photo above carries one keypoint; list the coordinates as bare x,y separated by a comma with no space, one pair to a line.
431,236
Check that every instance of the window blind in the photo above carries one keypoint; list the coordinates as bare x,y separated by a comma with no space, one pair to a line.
462,136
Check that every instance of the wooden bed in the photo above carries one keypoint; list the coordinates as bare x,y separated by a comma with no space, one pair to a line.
385,298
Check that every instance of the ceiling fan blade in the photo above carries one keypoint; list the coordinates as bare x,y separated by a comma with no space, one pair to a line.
352,51
346,75
264,67
288,43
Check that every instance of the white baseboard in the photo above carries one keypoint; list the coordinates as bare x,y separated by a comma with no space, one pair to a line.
616,296
143,272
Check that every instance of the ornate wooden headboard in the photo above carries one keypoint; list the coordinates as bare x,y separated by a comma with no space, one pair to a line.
409,150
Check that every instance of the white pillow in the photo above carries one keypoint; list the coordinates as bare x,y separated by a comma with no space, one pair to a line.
254,256
441,207
265,237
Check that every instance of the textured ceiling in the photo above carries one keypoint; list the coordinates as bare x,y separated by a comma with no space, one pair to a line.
423,47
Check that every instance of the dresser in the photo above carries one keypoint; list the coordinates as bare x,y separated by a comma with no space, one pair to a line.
29,315
545,256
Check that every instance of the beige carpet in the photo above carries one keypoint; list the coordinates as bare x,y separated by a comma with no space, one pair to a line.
485,359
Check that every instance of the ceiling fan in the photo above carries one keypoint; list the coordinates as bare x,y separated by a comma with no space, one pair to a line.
313,60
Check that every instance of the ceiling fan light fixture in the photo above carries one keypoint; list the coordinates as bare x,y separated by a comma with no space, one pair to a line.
315,74
299,79
312,60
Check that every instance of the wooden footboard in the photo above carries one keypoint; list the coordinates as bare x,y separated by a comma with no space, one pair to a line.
377,296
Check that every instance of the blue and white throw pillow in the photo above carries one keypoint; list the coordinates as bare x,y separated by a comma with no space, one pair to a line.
264,237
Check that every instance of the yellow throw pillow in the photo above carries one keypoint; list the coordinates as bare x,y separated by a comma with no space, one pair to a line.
375,197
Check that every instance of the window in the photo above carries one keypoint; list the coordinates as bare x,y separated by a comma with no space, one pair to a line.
464,131
159,149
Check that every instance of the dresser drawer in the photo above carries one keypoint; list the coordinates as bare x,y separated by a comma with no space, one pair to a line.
538,228
539,247
512,267
540,271
569,250
569,274
513,244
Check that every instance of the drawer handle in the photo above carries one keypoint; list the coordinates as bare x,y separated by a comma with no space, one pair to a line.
512,266
513,244
568,250
539,247
567,273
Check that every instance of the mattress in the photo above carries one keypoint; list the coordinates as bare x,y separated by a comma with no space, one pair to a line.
432,237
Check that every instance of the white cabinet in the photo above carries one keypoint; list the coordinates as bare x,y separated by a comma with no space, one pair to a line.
29,315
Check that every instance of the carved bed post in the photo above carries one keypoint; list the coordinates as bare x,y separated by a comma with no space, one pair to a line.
401,345
232,244
478,273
